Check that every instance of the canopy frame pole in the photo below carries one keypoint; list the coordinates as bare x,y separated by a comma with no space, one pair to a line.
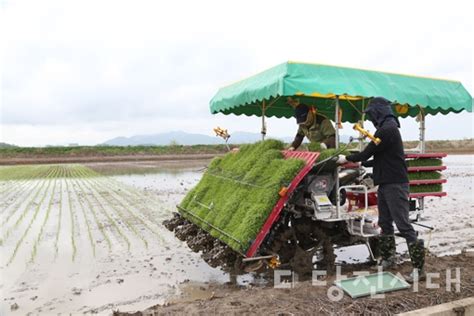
336,172
361,123
421,116
264,128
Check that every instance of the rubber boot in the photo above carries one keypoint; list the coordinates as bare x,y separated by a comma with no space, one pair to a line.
387,251
417,256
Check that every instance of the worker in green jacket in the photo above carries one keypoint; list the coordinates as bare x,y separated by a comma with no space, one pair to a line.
315,127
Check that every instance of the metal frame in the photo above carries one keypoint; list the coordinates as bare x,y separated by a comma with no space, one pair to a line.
336,172
264,127
421,200
362,220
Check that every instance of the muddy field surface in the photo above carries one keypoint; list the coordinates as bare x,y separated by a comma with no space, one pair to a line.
89,239
308,298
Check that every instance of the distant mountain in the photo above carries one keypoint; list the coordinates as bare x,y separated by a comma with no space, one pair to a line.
5,145
178,137
183,138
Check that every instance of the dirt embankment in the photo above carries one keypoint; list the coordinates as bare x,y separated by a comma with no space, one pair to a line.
87,159
307,299
464,146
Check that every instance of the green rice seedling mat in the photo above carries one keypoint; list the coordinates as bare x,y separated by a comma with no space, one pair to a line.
424,175
424,162
371,284
424,188
238,191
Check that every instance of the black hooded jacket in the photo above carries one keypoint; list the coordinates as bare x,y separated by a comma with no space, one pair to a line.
389,164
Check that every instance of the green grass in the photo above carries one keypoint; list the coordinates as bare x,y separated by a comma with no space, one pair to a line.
238,192
424,162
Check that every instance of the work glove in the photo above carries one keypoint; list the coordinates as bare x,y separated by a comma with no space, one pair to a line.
291,148
323,146
341,160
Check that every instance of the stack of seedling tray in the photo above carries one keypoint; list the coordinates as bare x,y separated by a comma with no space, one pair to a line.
424,173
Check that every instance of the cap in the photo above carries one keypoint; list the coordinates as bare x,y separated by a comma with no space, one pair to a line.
301,113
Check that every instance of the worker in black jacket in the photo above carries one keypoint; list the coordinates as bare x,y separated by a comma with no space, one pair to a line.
391,176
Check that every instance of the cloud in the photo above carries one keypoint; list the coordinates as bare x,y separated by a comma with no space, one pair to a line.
90,64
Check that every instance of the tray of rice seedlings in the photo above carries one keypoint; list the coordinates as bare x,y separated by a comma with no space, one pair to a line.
424,162
425,175
238,191
425,169
425,188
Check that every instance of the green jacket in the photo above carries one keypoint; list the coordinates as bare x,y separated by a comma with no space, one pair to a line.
319,131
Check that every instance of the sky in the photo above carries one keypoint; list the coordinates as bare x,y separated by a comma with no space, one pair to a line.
87,71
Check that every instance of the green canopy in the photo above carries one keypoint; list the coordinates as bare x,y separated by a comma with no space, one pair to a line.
318,85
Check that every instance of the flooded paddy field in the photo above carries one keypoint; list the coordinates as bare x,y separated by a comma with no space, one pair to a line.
75,241
88,238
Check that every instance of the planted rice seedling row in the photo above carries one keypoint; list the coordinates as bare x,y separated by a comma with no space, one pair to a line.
86,220
72,215
35,214
111,220
110,216
29,193
92,209
48,211
28,206
121,215
131,196
128,207
116,212
60,213
13,188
